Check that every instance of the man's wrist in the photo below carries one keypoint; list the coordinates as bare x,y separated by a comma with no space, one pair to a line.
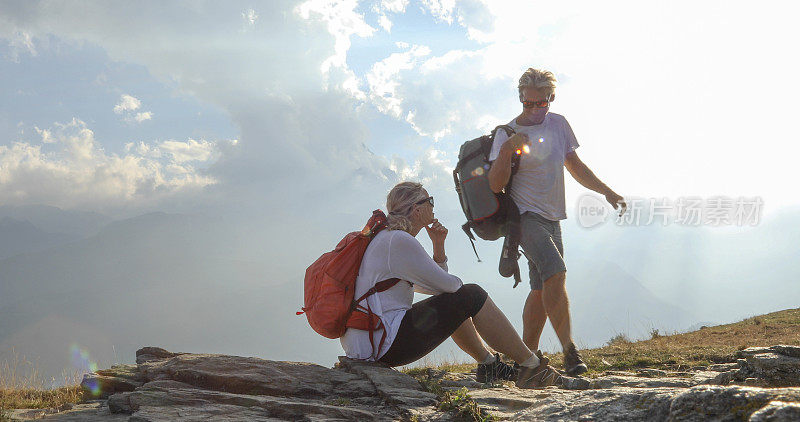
439,258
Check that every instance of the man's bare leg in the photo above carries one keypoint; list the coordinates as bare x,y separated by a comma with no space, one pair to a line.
466,337
556,304
533,319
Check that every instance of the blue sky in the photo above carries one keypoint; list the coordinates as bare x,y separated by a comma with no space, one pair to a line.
69,79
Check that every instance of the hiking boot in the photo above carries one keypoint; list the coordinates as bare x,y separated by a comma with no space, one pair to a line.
495,371
573,363
543,375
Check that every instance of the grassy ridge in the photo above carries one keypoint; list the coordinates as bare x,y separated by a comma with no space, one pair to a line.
705,346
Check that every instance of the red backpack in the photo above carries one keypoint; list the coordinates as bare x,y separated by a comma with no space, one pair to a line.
330,286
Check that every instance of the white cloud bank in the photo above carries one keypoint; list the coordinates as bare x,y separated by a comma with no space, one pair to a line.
69,168
622,67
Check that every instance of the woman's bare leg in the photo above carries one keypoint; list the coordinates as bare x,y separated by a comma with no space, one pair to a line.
498,332
468,340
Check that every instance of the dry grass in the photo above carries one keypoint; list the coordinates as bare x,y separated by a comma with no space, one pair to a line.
451,364
21,387
707,345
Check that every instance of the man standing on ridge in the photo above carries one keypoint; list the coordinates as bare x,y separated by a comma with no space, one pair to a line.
538,191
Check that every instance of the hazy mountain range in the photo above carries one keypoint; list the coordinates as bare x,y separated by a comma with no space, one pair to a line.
204,284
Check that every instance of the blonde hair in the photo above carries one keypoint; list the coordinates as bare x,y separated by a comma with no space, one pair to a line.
400,203
538,79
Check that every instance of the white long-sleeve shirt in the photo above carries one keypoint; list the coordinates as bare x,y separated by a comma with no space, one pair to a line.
394,253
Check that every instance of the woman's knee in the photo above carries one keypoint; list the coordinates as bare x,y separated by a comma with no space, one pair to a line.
474,296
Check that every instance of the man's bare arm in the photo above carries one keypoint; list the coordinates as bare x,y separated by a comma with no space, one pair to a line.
583,175
500,171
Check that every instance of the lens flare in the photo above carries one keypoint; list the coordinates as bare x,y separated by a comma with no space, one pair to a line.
82,362
541,140
525,148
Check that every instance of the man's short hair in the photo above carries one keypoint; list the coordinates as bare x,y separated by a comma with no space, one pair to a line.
539,79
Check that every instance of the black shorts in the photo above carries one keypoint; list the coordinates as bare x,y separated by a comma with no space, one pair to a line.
431,321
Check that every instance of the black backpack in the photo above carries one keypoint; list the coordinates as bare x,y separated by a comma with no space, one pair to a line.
490,215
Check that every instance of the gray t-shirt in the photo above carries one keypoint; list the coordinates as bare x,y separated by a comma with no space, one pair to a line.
539,183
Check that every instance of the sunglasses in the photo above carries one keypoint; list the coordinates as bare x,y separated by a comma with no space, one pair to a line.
537,104
428,200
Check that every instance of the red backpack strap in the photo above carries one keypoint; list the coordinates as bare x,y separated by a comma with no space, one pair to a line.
380,286
370,317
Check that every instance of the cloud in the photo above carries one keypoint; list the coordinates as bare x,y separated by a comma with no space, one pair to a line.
392,6
140,117
69,168
342,22
249,17
385,23
127,103
190,150
284,83
438,96
383,82
441,10
20,41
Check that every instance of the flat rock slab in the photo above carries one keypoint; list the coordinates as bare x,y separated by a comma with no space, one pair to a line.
96,411
166,386
762,385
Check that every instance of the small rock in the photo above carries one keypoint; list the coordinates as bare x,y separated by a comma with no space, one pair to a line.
147,354
777,411
714,378
601,383
102,386
753,382
723,367
792,351
774,369
576,383
651,373
725,403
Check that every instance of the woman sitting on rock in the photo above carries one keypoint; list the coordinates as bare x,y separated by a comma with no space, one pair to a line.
456,310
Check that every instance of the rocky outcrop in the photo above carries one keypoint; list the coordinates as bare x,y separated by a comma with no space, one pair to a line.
762,385
219,387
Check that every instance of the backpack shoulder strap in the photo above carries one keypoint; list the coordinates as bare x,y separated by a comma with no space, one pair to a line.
508,129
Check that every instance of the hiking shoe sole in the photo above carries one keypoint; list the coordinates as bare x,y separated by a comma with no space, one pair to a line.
577,370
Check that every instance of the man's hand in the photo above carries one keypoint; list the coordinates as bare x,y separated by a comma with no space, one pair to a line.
617,202
515,142
437,233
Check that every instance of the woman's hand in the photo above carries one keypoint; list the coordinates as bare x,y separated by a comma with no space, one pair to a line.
437,232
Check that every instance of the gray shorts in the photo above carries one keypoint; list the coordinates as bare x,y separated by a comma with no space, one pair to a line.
541,241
